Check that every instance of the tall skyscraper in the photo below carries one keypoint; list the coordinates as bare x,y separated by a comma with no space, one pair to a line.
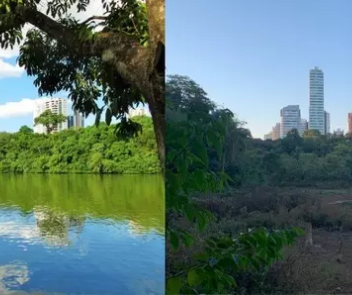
326,122
316,100
56,106
290,119
349,129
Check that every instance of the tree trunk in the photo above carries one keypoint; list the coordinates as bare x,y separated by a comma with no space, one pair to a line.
157,109
156,24
309,236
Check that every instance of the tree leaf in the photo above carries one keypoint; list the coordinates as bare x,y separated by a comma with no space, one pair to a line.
190,211
174,239
187,239
193,278
201,221
173,286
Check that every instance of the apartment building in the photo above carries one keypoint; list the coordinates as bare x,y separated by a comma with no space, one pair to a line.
56,106
290,119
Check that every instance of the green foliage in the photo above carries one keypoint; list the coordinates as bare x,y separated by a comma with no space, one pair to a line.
311,134
88,150
251,251
200,139
59,67
308,160
25,129
50,120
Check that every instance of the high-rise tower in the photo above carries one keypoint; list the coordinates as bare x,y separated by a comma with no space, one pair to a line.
316,100
290,119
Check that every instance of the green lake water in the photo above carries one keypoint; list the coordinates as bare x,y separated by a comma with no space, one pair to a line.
82,234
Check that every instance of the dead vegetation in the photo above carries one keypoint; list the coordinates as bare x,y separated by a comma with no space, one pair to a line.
320,263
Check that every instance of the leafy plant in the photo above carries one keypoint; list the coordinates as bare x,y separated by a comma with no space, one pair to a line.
117,56
50,120
194,131
85,150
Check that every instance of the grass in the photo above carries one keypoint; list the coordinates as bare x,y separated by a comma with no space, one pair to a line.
304,270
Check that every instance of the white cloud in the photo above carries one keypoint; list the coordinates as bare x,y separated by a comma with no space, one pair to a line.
24,107
12,276
18,109
8,70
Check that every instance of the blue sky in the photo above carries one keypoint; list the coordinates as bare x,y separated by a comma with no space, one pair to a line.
254,56
15,91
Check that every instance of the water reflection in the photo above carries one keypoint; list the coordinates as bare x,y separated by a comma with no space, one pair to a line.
82,234
54,227
12,276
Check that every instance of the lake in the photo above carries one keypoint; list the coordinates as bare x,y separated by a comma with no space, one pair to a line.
82,234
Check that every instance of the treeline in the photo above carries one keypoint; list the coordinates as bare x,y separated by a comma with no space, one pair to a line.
306,160
86,150
294,160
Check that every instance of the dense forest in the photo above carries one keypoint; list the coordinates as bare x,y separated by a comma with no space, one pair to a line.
85,150
248,216
308,160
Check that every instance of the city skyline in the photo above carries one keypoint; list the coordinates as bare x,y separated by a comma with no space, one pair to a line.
270,47
319,118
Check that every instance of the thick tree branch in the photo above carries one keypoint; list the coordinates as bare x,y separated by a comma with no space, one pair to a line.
156,71
156,21
49,26
122,51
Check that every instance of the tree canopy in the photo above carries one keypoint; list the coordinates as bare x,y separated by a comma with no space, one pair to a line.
202,142
50,120
84,150
117,56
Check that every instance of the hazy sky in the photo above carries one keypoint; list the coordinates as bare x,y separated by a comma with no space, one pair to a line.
254,56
